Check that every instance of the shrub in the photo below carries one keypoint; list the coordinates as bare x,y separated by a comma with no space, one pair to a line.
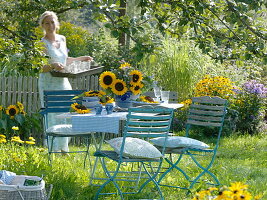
15,116
250,102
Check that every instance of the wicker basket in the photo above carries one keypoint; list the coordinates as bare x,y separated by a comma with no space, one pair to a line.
20,192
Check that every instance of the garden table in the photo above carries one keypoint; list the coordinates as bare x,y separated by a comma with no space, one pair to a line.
94,124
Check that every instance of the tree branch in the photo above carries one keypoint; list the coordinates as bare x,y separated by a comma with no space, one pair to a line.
215,14
260,35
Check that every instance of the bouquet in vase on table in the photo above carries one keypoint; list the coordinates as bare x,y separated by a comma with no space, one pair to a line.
124,83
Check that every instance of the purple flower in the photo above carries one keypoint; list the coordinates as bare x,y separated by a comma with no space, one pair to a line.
254,87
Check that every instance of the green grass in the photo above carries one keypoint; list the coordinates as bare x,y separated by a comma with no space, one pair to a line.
240,158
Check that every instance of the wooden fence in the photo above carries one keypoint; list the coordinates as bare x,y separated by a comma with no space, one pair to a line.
25,90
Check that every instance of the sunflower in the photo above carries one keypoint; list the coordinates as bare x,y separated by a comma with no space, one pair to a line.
147,99
94,93
20,106
125,65
137,76
12,110
1,108
119,87
83,111
105,100
136,88
107,79
75,107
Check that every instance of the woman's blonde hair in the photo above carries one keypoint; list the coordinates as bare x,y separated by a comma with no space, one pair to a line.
46,14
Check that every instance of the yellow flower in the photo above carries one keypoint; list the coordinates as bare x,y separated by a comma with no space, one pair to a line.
20,106
15,128
31,138
94,93
79,108
12,110
1,108
29,142
2,139
107,79
119,87
125,65
17,159
17,139
80,111
2,136
136,88
136,77
237,187
147,99
106,99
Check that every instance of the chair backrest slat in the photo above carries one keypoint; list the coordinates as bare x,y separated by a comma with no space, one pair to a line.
57,101
148,121
207,111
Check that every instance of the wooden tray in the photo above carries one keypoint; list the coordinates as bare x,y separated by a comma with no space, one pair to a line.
92,71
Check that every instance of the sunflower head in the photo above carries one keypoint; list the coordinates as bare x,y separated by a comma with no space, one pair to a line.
137,76
20,106
75,107
107,79
119,87
106,99
94,93
136,88
12,110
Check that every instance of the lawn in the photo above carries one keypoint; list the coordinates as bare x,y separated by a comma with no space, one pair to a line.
239,158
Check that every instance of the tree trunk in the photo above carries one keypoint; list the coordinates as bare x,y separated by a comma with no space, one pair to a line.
122,12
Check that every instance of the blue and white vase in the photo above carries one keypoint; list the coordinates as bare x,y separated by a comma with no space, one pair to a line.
124,101
98,109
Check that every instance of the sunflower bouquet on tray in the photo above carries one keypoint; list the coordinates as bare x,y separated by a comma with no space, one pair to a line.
124,80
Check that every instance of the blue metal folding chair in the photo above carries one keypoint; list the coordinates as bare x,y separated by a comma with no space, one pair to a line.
134,159
56,102
203,112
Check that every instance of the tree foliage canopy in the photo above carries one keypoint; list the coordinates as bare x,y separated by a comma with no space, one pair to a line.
224,29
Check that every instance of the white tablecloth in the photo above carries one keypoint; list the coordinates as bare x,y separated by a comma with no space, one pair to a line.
98,123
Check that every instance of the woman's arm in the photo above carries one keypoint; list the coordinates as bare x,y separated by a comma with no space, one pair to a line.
81,58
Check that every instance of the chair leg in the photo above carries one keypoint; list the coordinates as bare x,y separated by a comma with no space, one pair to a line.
151,178
87,152
205,170
49,148
173,166
111,179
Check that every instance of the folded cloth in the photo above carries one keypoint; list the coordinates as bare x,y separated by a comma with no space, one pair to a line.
6,177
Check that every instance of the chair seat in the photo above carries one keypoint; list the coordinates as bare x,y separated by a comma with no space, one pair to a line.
114,156
62,130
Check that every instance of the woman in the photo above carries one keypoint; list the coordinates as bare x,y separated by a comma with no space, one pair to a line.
56,49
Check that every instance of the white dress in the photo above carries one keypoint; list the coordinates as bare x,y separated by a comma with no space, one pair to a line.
48,82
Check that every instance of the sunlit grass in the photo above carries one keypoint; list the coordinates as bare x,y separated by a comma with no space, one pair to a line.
240,158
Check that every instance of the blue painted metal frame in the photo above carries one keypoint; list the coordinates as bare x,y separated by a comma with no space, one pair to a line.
206,112
59,101
143,122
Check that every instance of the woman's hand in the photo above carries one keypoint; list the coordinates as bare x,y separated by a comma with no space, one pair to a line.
57,66
86,58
